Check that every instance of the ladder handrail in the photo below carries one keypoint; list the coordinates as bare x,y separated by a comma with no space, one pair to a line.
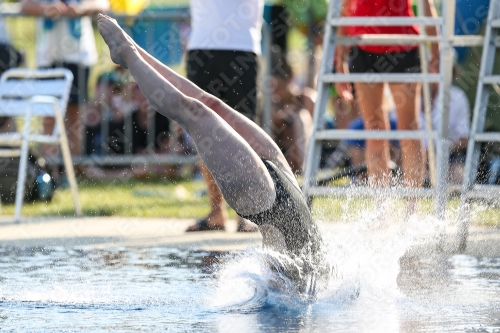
326,77
477,134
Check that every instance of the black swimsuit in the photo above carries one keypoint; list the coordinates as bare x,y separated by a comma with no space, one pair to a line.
289,214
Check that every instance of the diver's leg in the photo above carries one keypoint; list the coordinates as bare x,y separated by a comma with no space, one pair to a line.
237,169
256,137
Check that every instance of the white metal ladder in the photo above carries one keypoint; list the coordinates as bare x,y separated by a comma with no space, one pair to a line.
326,77
477,136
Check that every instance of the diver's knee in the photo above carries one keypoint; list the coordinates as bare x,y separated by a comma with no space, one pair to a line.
249,201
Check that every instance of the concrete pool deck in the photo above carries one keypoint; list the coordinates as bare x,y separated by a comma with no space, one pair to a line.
105,232
120,232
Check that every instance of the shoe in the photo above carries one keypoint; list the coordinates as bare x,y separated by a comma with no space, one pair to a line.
204,226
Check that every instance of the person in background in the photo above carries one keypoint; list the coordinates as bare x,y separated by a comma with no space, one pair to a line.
222,60
247,165
117,98
291,114
459,130
166,137
103,118
95,110
66,39
369,96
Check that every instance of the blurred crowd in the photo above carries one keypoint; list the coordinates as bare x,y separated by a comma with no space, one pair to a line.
117,119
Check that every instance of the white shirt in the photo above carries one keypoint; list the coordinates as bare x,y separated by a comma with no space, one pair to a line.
459,123
58,42
226,25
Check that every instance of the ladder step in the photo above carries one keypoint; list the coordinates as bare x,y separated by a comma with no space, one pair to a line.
471,41
385,21
380,77
467,40
392,135
491,79
387,40
483,192
495,23
363,191
10,152
41,138
487,137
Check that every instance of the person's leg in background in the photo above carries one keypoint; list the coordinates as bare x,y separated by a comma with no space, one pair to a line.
231,76
370,101
407,100
357,147
413,157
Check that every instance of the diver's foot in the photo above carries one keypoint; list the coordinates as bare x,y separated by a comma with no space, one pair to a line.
117,40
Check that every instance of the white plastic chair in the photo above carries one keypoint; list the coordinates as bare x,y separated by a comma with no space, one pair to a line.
40,93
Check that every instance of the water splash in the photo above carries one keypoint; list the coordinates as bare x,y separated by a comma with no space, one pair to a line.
365,255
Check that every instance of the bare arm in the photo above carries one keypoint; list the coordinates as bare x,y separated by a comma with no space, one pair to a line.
58,8
53,9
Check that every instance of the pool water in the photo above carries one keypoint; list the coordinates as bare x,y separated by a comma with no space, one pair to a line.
389,280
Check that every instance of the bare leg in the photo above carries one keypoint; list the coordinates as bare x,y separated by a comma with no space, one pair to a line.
407,99
413,157
369,98
260,142
237,169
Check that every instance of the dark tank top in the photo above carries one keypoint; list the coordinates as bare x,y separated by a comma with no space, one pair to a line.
290,215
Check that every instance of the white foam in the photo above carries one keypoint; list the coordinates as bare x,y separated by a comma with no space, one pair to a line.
365,254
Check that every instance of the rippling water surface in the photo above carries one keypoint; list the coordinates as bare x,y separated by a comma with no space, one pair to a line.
375,288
